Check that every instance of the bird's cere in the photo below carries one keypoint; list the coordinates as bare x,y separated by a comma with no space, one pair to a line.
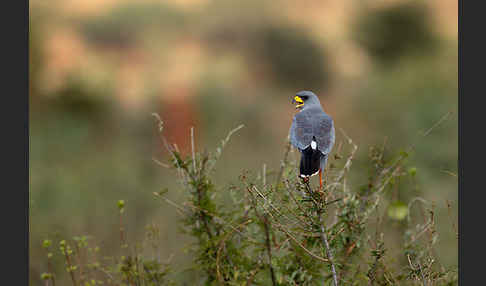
299,101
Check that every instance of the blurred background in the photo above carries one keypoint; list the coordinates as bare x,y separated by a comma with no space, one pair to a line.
384,70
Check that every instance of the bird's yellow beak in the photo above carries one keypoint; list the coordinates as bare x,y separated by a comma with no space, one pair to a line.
299,102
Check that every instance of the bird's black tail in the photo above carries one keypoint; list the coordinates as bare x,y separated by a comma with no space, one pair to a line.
310,162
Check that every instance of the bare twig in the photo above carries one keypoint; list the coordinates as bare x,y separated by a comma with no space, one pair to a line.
78,258
264,174
442,119
122,230
328,250
219,150
70,268
269,248
269,203
382,186
49,268
169,149
221,221
280,227
160,163
348,163
266,222
283,163
449,173
416,199
324,235
426,133
179,209
450,218
193,152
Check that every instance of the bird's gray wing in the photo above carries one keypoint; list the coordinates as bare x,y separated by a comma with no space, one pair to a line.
323,130
301,130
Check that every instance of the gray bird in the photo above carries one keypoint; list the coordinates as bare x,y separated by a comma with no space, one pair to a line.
312,132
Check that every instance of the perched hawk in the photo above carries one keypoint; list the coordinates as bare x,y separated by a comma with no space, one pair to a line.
312,132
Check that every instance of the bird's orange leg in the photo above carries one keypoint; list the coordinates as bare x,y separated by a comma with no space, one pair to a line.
320,179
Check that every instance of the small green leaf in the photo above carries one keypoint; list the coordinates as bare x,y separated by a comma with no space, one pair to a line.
404,154
397,210
412,171
121,204
46,276
46,243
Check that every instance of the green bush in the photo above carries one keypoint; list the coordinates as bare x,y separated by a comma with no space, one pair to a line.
274,229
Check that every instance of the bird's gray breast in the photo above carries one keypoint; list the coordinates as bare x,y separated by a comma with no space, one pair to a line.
312,123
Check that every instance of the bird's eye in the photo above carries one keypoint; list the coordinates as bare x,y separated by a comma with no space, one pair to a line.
304,97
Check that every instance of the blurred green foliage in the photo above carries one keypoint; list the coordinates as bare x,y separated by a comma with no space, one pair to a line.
394,31
82,101
296,60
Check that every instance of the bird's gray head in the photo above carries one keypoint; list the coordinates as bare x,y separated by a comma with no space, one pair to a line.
306,99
